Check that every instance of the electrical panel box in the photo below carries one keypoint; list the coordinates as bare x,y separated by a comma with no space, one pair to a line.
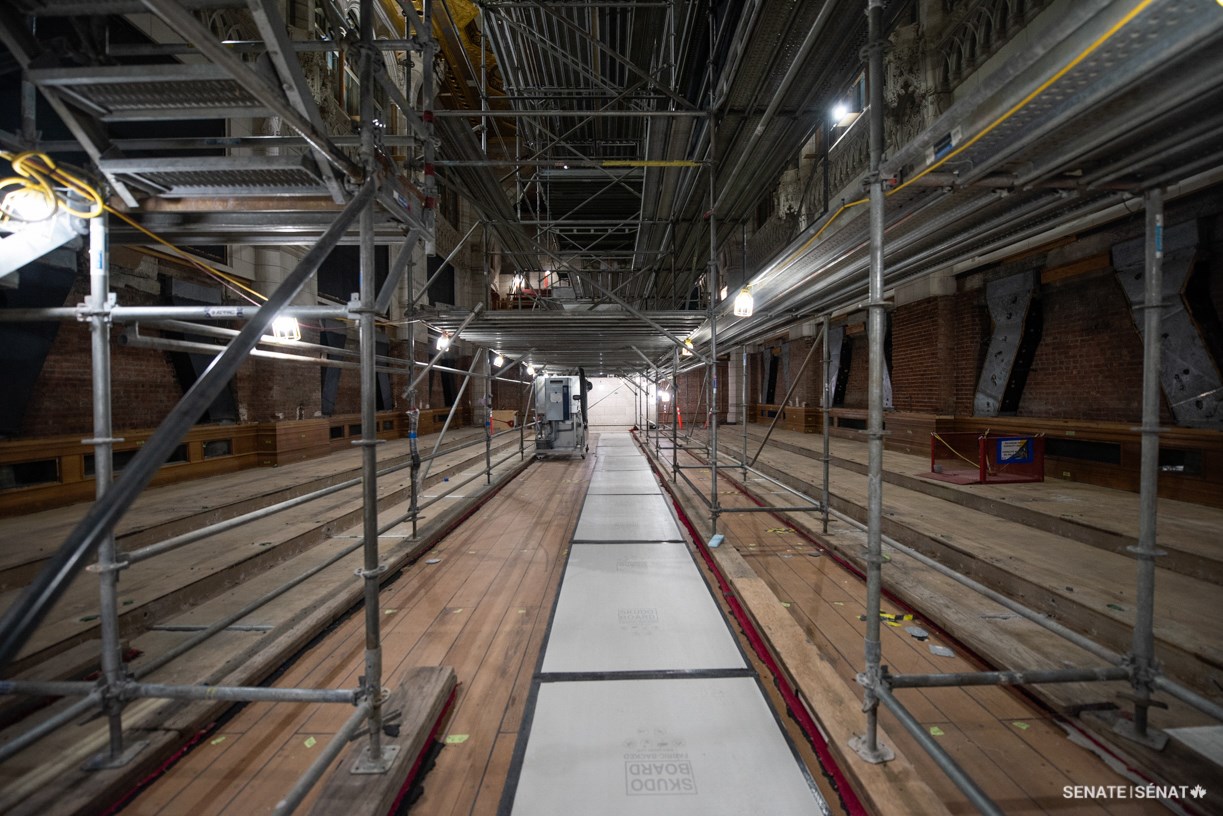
560,415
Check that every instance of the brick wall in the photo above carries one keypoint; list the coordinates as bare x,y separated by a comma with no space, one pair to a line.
971,339
923,356
1089,361
142,380
859,370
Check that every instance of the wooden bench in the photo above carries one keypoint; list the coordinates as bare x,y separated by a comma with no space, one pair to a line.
54,471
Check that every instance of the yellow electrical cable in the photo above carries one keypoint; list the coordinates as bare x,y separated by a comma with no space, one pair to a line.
34,170
186,256
1018,106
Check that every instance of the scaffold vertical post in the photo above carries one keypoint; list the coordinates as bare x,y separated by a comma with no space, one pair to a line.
113,672
377,758
825,405
1142,663
867,745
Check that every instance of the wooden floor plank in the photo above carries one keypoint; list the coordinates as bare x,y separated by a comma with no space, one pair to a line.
500,561
1022,769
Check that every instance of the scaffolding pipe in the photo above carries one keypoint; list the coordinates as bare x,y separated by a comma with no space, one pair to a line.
442,266
1142,650
24,740
131,314
103,445
714,288
1189,697
323,761
133,338
24,615
675,417
457,485
1007,678
826,404
372,566
475,360
488,420
743,410
868,746
438,355
786,399
239,694
949,766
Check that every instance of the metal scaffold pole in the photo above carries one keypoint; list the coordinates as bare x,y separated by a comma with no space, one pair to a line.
714,507
113,672
825,405
743,410
376,758
867,745
675,415
1143,666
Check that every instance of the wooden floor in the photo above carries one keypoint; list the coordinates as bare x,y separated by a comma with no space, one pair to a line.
1016,749
482,609
161,607
483,604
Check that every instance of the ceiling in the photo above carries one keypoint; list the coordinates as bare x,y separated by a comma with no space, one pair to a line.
619,144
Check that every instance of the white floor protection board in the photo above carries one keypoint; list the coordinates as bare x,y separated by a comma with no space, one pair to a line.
674,747
621,463
616,439
622,481
636,607
626,518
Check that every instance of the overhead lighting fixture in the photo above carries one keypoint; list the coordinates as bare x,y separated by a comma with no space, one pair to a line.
686,351
744,302
443,341
839,112
530,369
498,361
23,206
286,329
664,395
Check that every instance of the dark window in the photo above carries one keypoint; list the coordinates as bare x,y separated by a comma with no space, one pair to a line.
354,430
1108,453
1177,460
337,431
25,474
851,422
218,447
388,424
120,459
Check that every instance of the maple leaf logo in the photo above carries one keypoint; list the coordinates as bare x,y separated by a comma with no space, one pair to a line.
1198,792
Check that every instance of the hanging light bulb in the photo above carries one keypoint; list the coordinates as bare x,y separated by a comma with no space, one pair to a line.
530,369
443,341
744,302
498,361
286,329
664,395
686,351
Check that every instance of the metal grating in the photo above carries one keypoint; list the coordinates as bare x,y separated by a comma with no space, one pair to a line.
221,175
599,340
142,92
